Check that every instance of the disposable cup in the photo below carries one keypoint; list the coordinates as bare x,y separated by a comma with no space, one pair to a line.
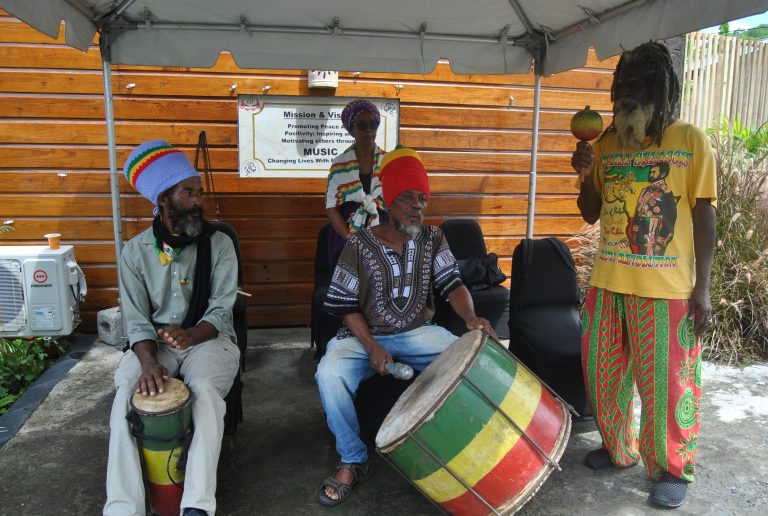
54,240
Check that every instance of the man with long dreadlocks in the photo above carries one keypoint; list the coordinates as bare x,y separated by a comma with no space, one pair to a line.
648,304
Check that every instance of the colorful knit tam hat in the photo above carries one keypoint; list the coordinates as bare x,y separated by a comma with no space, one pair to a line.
402,170
354,109
154,167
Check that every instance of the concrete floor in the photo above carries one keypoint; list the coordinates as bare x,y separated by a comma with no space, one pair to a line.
56,462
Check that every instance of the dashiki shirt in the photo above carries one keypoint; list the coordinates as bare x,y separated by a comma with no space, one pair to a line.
394,292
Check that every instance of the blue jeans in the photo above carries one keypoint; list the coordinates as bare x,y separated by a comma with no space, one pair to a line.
346,364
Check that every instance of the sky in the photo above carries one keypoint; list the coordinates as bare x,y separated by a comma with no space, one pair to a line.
744,23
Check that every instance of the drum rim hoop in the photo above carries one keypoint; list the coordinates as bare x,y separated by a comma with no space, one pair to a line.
439,401
168,411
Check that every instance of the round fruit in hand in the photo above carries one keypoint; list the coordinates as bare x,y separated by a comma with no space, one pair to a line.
586,124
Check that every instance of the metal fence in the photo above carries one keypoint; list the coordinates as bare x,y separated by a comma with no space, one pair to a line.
724,77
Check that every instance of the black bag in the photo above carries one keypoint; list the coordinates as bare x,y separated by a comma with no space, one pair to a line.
482,272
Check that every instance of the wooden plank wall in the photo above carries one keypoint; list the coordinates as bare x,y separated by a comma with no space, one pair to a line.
472,131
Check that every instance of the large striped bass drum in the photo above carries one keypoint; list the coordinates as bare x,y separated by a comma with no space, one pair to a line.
476,432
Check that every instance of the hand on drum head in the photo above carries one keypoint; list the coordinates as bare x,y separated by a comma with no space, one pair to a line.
480,323
175,336
151,379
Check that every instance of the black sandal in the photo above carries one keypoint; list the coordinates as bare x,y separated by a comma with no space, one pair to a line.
360,473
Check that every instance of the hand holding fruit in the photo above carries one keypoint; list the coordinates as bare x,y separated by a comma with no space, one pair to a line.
585,125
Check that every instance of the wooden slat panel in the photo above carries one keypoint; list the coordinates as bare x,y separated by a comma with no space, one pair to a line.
253,272
252,250
16,31
126,133
82,157
100,276
16,105
483,140
200,85
97,181
263,294
87,230
134,133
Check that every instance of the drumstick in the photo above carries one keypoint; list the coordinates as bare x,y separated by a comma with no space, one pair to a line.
246,294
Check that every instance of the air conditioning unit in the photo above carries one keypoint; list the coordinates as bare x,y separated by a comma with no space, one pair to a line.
40,290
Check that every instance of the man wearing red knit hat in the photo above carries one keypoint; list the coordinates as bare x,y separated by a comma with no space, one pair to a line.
383,286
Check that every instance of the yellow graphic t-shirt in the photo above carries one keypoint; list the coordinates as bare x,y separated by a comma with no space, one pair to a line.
646,229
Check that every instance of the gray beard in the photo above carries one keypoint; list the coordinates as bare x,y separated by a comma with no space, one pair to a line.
190,227
631,122
184,221
411,231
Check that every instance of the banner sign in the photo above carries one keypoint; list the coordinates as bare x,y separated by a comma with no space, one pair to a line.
291,136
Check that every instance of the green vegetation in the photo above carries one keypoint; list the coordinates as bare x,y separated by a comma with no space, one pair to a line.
755,33
739,331
22,361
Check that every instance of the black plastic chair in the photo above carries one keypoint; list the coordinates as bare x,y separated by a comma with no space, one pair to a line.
234,398
465,238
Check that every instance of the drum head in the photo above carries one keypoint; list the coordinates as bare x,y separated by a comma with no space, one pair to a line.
174,395
426,394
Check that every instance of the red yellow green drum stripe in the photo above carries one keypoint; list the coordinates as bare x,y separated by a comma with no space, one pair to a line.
465,414
165,484
517,470
476,440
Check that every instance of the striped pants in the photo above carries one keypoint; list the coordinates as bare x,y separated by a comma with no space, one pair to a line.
630,341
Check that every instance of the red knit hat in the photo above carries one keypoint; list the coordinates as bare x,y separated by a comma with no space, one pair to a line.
401,170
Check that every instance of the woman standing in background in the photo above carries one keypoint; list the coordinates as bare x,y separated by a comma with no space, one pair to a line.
353,198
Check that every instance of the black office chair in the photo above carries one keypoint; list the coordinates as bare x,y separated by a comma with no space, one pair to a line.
234,398
465,238
323,326
544,322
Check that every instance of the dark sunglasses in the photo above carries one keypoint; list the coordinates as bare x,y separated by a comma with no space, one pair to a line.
365,126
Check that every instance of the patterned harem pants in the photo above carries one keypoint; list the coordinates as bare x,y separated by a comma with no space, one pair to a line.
630,341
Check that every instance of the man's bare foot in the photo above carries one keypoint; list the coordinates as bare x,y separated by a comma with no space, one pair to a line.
343,475
338,488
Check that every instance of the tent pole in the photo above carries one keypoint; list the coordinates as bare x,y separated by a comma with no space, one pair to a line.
114,178
534,156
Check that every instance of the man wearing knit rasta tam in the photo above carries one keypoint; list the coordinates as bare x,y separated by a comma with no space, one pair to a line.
383,287
179,287
650,180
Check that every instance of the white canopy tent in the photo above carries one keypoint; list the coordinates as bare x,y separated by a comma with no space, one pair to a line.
407,36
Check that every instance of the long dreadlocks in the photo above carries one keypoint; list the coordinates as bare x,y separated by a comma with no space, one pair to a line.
663,90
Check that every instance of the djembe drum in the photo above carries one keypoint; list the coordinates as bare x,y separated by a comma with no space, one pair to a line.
162,426
476,432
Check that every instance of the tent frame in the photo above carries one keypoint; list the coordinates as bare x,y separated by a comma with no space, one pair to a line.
111,25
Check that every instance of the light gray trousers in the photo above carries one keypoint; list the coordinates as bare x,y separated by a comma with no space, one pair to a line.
208,370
